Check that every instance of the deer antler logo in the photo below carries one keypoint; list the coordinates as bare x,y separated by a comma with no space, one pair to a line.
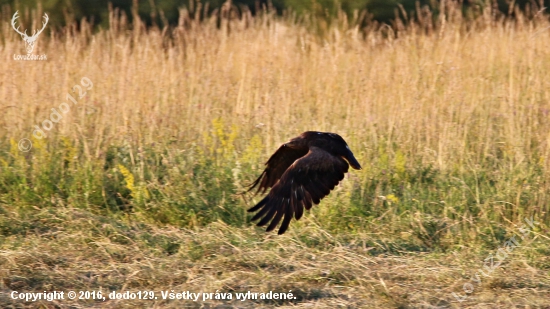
29,40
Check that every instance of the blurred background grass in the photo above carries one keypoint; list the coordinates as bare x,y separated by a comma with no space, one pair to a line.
165,12
448,117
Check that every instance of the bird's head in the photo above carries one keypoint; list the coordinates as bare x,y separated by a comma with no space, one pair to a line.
334,144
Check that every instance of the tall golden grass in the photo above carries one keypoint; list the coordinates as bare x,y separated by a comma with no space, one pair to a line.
449,120
459,95
467,96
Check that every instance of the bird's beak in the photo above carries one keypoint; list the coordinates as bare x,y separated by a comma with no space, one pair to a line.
352,161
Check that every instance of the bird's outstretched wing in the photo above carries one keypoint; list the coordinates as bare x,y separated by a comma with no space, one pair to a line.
304,183
277,164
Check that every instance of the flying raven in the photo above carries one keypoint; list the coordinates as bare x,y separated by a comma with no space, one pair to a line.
301,173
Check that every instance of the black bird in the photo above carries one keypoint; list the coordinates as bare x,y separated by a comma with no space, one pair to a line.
301,173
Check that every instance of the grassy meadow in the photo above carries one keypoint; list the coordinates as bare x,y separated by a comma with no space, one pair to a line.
138,186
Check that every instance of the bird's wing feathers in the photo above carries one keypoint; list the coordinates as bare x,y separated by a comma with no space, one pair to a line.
277,164
307,181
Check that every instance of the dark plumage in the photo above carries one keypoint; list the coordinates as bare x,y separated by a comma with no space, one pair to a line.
301,173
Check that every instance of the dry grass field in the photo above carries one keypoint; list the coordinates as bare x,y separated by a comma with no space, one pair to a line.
137,186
